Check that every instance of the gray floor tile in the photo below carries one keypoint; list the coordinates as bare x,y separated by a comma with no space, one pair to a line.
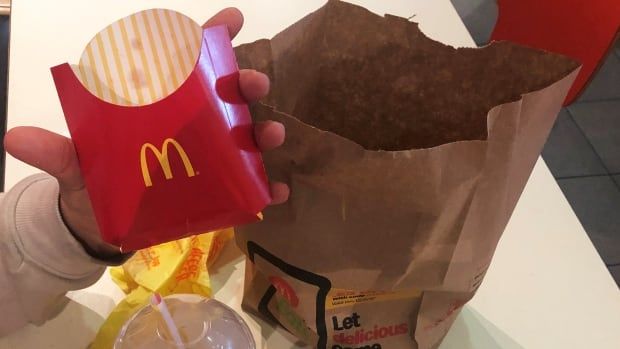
600,122
479,16
606,82
596,202
616,179
615,273
466,7
568,153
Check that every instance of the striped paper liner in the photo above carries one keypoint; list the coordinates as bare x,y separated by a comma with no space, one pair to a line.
141,58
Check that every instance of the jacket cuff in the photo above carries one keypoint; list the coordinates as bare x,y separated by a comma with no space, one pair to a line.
41,234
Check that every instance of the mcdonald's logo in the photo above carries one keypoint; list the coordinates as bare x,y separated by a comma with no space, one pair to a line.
164,161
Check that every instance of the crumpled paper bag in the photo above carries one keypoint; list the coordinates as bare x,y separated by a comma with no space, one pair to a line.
174,267
405,158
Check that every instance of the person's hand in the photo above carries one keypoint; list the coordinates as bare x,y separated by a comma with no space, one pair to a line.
56,155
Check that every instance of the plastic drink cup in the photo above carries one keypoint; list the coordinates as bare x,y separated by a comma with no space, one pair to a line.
202,323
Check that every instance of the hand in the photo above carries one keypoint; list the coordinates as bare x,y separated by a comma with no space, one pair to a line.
56,155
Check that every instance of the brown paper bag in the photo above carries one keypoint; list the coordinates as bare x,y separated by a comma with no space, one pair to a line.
405,158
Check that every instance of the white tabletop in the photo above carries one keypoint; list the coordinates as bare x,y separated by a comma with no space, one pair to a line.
546,288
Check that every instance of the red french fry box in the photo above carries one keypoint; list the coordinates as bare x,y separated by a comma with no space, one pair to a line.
182,165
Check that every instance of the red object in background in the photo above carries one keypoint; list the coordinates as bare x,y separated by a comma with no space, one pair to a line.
581,29
183,165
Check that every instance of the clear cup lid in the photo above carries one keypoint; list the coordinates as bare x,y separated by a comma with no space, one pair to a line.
201,323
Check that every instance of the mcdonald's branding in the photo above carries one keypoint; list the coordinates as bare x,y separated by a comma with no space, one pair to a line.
164,161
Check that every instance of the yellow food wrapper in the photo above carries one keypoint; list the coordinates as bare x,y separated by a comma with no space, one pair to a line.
174,267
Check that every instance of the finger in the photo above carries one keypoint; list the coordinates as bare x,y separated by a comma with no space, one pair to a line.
269,135
230,17
254,85
279,193
46,151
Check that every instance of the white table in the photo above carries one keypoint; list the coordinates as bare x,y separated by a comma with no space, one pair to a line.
546,288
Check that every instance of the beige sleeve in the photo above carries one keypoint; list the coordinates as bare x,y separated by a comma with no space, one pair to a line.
39,258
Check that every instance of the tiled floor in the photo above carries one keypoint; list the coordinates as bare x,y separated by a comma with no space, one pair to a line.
600,123
583,153
583,150
596,201
568,152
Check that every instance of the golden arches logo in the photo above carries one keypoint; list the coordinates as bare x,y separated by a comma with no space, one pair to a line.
164,161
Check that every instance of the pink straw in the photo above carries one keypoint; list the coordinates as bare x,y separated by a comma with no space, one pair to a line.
160,305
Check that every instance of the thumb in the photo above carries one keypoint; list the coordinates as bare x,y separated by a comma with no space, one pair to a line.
46,151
